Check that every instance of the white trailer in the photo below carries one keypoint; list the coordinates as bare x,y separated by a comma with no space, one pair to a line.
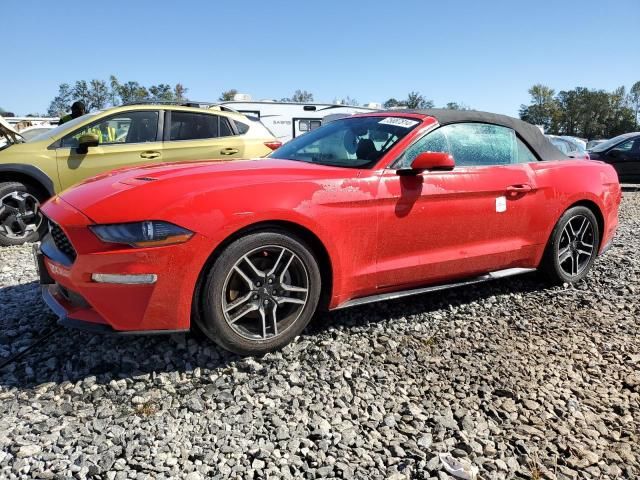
288,120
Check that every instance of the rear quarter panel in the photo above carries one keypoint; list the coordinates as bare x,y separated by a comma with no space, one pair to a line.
564,183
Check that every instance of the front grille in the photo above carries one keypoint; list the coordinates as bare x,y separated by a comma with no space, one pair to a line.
62,242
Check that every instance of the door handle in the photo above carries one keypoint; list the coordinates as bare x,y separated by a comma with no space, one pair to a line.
149,155
228,151
515,190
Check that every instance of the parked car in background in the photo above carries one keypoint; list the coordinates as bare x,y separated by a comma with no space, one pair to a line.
29,133
288,120
32,171
568,147
366,208
581,143
623,153
593,143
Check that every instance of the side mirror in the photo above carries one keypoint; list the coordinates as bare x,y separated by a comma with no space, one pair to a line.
86,141
614,153
439,161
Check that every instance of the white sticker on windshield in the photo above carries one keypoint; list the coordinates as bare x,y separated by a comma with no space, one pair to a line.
398,122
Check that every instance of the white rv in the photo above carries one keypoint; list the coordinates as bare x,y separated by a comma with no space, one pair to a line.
288,120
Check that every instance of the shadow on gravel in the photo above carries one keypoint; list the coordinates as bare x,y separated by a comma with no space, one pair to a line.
630,188
71,356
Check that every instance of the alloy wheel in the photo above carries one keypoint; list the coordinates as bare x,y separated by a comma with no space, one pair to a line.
19,215
265,292
576,247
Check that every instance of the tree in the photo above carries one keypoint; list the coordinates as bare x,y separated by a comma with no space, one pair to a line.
61,102
415,100
161,93
98,95
346,101
179,92
302,96
634,99
543,108
456,106
228,95
392,103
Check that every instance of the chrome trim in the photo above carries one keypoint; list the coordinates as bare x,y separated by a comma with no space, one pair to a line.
508,272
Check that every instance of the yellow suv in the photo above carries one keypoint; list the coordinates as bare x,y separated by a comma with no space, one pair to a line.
32,171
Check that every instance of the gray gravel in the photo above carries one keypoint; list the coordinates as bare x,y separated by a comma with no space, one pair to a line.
522,380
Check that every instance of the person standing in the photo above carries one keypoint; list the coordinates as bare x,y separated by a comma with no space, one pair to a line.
77,110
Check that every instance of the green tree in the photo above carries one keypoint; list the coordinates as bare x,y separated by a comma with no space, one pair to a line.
228,95
98,95
346,101
302,96
161,93
392,103
415,100
179,92
634,98
61,102
456,106
543,108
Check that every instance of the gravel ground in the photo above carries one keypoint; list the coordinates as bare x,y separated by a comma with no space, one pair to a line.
521,380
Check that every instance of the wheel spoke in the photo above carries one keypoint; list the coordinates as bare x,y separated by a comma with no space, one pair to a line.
582,228
584,252
238,301
259,273
575,264
564,254
286,267
243,275
263,316
275,318
275,265
297,301
252,307
586,245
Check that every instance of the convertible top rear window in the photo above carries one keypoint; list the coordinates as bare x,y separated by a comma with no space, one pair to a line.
349,142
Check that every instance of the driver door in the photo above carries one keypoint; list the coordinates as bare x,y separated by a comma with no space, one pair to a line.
125,139
438,226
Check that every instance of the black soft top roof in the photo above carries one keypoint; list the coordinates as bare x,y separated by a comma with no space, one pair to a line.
530,134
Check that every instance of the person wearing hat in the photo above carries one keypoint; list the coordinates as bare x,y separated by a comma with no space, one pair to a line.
77,110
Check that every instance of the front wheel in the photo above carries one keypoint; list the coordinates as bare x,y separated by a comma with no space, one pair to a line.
573,246
260,293
20,217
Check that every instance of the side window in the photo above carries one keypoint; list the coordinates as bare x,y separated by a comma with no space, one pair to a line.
242,127
479,144
524,154
435,141
624,147
193,126
472,145
225,128
126,127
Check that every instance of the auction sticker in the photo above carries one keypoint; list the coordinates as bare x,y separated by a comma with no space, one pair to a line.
399,122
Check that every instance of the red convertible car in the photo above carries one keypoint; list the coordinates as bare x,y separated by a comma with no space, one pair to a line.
363,209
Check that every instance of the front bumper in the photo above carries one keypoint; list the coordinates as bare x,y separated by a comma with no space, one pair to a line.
80,302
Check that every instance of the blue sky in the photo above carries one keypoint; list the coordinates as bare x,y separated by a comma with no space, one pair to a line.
485,54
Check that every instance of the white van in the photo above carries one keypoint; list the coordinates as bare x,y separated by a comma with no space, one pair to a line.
288,120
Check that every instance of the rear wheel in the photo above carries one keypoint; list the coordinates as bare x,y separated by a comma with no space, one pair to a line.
573,246
260,293
20,217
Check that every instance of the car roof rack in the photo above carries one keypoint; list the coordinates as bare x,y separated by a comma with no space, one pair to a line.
181,103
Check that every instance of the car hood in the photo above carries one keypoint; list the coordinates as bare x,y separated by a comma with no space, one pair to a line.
158,188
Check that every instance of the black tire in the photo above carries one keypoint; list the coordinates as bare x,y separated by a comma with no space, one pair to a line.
576,265
258,331
17,199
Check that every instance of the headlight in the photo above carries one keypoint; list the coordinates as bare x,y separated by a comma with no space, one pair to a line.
142,234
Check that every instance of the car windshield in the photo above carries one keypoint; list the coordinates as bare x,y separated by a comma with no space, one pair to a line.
610,143
64,127
355,142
